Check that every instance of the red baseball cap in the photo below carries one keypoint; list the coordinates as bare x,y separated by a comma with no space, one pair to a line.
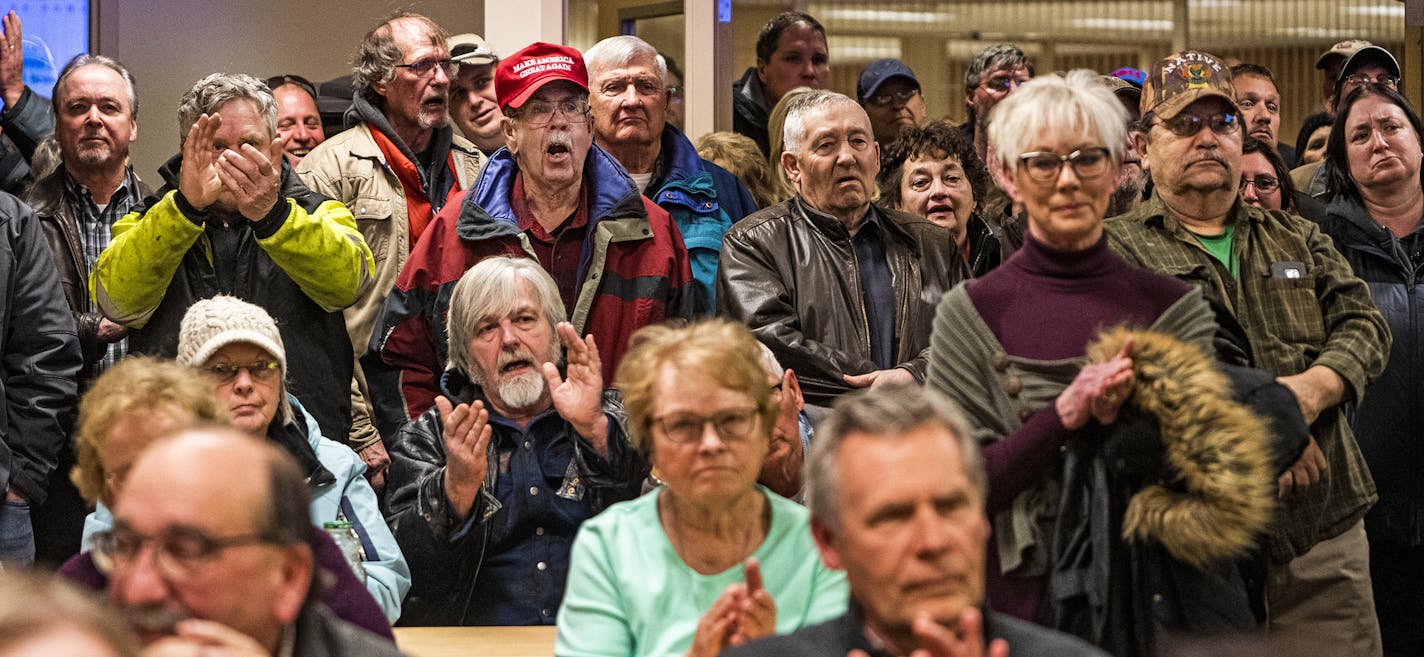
518,76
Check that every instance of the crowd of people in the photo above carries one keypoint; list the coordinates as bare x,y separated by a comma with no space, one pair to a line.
1109,369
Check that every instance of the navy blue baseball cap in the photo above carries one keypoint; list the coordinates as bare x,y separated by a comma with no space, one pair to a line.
877,72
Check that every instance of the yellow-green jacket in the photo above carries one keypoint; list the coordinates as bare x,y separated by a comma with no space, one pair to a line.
304,263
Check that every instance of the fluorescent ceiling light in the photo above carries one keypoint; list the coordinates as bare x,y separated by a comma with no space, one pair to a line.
885,16
1314,32
1137,24
1392,10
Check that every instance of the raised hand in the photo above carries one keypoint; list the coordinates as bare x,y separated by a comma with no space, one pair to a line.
715,628
965,640
466,436
198,180
578,396
253,176
758,610
12,60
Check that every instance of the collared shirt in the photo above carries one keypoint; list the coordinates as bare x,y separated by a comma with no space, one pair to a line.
95,231
877,290
1301,306
532,513
558,251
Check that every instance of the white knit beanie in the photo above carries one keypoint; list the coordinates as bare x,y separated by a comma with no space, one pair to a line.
214,323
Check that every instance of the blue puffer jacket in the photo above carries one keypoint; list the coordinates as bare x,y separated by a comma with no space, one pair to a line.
705,200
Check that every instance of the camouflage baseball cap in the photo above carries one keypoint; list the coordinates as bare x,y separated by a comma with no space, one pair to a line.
1343,50
1181,79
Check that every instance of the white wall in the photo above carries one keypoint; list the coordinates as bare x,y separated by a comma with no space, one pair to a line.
170,44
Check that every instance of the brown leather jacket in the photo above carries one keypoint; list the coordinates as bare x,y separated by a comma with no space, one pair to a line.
790,274
61,230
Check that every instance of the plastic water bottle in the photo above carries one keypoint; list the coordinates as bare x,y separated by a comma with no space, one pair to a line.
350,545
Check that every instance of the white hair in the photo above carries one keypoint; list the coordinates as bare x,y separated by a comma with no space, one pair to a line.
621,51
1076,104
489,288
794,129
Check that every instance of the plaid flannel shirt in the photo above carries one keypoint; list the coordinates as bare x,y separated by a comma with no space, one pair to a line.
1300,305
95,231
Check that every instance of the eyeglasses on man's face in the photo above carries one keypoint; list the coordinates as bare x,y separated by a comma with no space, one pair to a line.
1002,84
1361,79
425,67
885,99
1186,125
540,112
178,552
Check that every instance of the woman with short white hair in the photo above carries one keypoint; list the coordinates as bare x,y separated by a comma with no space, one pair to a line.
1012,349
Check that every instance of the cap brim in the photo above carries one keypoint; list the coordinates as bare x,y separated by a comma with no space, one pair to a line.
475,57
880,83
1173,106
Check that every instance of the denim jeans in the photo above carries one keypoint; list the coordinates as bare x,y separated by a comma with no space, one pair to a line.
17,535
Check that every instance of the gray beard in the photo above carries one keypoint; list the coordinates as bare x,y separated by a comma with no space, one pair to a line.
522,391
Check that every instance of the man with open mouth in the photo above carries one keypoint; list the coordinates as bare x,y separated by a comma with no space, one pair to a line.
617,258
489,487
399,165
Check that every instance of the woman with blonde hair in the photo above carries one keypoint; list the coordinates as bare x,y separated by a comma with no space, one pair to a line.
776,129
739,155
709,559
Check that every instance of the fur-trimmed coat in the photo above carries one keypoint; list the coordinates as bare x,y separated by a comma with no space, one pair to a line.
1175,495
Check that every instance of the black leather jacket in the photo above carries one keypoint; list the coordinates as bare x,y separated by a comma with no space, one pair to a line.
789,273
61,230
41,355
475,570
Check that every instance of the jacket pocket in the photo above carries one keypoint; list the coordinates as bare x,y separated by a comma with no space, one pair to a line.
373,219
1292,310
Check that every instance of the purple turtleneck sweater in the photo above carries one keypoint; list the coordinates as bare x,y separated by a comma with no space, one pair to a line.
1045,304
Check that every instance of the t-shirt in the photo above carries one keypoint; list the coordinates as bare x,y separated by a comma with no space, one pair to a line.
1219,246
630,595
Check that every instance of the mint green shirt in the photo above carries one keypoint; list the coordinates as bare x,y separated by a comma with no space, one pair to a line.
1219,246
630,595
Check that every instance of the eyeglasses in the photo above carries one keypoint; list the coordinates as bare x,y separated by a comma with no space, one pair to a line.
730,425
1362,79
539,113
1186,125
1087,163
261,370
178,551
1002,85
898,97
1263,184
425,67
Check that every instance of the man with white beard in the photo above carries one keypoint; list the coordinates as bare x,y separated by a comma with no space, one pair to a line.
471,502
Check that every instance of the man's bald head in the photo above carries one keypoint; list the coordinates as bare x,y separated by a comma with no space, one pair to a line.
227,517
